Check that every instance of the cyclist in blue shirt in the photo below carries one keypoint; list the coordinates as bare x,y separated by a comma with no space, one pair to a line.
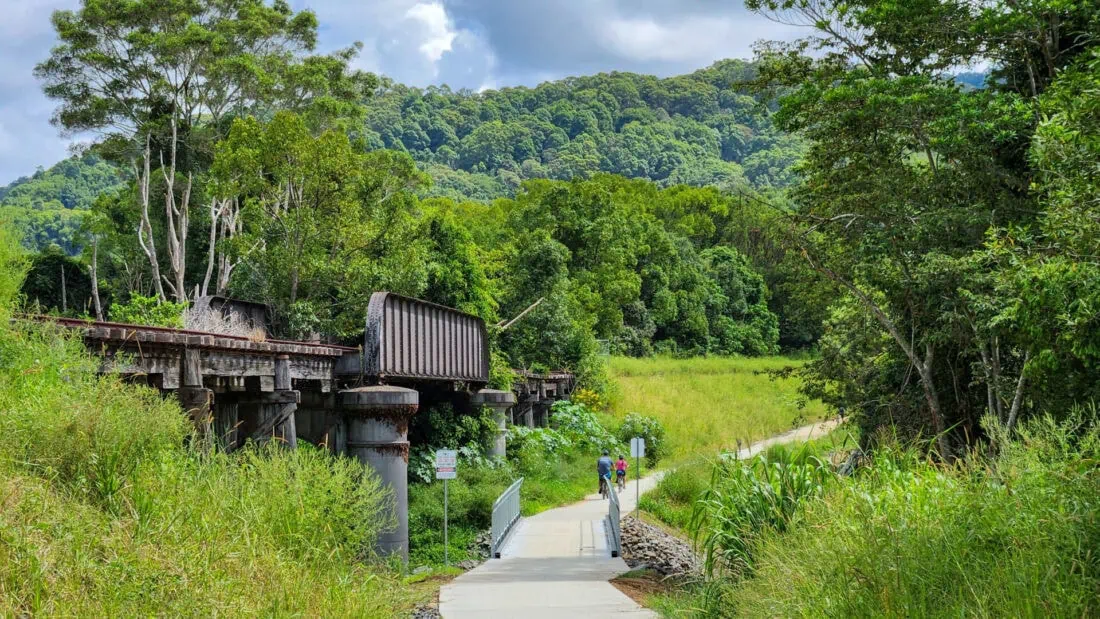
603,468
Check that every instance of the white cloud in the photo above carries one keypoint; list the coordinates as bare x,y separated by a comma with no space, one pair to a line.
439,29
689,40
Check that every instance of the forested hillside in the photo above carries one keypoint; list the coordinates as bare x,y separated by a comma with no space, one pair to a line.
697,129
47,206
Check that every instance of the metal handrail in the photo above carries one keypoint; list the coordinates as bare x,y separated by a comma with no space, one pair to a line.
614,530
505,516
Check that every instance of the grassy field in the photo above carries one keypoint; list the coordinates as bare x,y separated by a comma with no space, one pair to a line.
708,404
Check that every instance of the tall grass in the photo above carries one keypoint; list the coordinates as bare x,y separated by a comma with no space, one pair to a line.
105,512
1014,534
747,499
708,404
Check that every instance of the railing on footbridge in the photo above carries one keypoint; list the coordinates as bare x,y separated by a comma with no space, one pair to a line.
614,530
505,515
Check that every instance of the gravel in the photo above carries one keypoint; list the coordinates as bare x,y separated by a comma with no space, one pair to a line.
425,611
645,545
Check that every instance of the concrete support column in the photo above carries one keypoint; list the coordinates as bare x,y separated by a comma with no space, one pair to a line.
499,402
377,434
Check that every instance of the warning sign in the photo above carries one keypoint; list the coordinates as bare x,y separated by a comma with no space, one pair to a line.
446,464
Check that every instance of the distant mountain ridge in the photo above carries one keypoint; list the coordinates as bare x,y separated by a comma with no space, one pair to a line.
48,205
697,129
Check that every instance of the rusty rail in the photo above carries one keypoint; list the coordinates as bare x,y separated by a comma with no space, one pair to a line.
183,337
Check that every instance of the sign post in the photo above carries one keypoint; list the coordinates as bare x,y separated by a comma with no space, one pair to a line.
637,449
446,467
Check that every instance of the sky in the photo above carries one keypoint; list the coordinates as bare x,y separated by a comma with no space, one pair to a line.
475,44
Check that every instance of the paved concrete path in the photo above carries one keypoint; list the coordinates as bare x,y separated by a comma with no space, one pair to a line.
557,564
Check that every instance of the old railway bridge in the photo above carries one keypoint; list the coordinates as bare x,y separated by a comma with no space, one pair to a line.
353,401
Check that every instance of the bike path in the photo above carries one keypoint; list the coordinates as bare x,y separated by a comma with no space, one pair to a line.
557,563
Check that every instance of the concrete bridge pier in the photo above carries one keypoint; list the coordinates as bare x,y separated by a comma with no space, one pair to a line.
500,402
377,435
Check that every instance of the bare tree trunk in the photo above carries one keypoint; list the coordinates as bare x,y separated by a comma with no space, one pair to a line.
64,293
178,219
995,349
217,210
145,227
988,378
1019,397
232,226
95,278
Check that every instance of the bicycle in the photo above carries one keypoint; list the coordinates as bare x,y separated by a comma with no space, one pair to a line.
620,481
605,486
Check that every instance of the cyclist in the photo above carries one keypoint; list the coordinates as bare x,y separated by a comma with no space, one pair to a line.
603,469
620,471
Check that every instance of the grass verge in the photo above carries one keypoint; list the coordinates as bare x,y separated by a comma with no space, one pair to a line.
1008,535
708,404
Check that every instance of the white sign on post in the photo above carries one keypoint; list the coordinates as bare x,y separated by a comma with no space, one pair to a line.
446,464
637,447
446,467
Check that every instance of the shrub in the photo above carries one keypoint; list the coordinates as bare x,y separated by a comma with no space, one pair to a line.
589,398
536,441
648,428
501,375
580,425
442,427
141,310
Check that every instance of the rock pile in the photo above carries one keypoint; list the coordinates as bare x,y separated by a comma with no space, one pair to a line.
645,545
482,545
426,611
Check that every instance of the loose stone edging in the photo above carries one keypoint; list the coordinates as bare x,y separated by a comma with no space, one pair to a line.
426,611
645,545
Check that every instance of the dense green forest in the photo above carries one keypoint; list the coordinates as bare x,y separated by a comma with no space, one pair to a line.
926,234
699,129
48,205
353,189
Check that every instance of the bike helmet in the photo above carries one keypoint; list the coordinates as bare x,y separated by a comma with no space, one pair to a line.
606,452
